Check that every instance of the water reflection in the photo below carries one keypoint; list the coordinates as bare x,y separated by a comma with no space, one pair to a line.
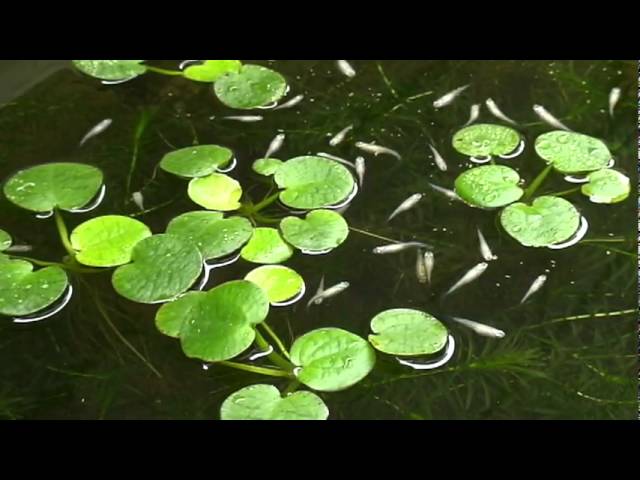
50,312
416,364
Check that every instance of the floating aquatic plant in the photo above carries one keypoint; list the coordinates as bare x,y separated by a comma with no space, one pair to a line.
489,186
571,152
251,87
112,70
607,186
321,230
196,161
485,140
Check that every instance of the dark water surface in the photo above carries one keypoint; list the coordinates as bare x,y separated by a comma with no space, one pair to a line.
80,364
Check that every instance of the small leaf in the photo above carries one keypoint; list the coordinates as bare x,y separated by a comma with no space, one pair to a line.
313,182
321,230
111,69
407,332
547,221
216,192
266,246
332,359
5,240
607,186
196,161
484,140
107,241
279,283
215,236
489,186
164,266
212,70
266,166
264,402
571,152
252,87
54,185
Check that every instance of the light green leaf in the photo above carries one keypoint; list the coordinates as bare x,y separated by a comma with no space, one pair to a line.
266,246
313,182
252,87
164,266
407,332
196,161
321,230
279,283
571,152
215,236
266,166
54,185
263,402
216,192
107,241
485,140
332,359
211,70
547,221
489,186
111,69
607,186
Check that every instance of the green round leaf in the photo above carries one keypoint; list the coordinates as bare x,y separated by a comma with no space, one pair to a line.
484,140
263,402
107,241
219,324
23,291
215,236
196,161
252,87
54,185
216,192
313,182
571,152
211,70
547,221
607,186
164,266
408,332
111,69
266,246
321,230
171,316
489,186
332,359
266,166
280,283
5,240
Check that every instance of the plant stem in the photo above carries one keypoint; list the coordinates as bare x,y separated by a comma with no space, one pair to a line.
145,117
35,261
373,235
264,203
164,71
63,232
535,185
253,369
387,81
274,357
292,387
276,339
565,192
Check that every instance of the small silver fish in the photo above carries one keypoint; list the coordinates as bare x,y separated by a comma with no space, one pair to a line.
337,159
429,262
19,249
473,114
546,117
440,163
346,68
469,277
340,136
446,192
291,103
377,149
275,145
614,97
398,247
448,98
360,169
138,199
97,130
496,112
535,286
408,204
421,267
485,250
328,293
480,328
245,118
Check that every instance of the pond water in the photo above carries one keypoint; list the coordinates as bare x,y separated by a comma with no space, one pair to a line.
570,351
